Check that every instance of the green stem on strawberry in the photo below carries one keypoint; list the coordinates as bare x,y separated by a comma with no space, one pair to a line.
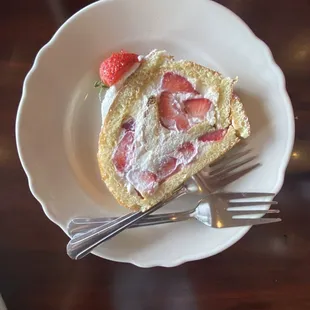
100,84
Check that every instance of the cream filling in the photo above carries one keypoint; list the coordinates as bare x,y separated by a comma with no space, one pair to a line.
153,142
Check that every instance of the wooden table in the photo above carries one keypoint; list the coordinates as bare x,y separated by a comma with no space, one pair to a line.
268,269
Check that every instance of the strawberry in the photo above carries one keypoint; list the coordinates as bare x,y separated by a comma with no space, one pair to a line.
124,151
181,122
166,108
197,107
129,124
176,83
186,153
145,182
216,135
170,115
114,67
167,167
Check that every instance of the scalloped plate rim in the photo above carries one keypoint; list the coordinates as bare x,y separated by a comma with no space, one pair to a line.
160,262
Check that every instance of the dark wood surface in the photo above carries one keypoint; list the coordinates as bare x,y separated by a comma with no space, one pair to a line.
268,269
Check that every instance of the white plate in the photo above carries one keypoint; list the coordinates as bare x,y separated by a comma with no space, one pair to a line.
58,119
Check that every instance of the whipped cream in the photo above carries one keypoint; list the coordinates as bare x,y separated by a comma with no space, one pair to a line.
154,142
112,91
150,148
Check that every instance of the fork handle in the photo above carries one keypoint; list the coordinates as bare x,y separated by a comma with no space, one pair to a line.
81,245
82,225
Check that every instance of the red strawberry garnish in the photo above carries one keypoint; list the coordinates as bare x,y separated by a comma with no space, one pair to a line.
167,167
197,107
145,182
216,135
114,67
170,114
129,124
186,153
177,83
124,152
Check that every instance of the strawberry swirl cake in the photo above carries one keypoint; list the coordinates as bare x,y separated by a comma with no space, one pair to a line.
163,121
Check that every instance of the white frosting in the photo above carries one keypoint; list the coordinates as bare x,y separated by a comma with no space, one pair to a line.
150,148
112,91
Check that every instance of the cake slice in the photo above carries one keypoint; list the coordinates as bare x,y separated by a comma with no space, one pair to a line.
164,121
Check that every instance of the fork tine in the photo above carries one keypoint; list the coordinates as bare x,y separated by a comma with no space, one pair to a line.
227,158
203,183
222,171
250,222
230,196
251,212
221,163
225,180
251,203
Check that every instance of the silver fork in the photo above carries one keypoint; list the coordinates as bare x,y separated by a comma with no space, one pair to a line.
217,215
210,180
81,245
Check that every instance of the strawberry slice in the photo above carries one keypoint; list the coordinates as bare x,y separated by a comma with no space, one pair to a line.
167,167
176,83
197,107
124,152
129,124
216,135
114,67
181,122
170,114
167,110
145,182
186,153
